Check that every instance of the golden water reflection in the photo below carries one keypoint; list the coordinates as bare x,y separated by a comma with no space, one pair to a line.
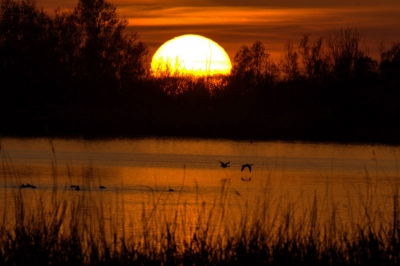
154,183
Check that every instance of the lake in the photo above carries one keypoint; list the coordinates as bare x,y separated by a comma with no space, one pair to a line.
184,175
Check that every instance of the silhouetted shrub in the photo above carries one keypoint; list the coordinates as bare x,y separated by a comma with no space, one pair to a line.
390,63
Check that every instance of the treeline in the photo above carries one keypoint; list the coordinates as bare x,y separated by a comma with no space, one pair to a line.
84,50
80,73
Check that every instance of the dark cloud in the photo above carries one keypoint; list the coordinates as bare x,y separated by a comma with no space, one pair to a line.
275,30
233,23
261,3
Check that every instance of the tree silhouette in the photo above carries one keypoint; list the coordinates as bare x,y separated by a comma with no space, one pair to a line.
27,56
390,64
349,55
290,64
314,58
85,50
253,69
106,54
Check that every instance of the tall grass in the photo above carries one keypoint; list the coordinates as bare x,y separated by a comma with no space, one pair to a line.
78,228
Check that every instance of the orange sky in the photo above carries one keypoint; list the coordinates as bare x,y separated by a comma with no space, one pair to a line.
274,22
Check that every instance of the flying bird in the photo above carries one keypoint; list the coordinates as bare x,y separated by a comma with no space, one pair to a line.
224,165
249,179
246,165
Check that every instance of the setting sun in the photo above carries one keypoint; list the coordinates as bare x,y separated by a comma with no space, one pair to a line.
191,54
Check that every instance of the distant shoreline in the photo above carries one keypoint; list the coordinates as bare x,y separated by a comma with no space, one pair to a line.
367,139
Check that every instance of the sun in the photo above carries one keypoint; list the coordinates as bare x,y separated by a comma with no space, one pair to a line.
191,54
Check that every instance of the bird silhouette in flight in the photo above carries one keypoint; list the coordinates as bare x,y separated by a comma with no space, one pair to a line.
249,179
224,165
246,165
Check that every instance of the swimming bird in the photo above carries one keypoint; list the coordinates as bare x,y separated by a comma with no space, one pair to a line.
102,187
73,186
246,165
224,165
77,188
27,185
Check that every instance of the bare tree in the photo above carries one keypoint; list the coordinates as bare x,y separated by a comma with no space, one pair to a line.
253,68
27,58
314,58
390,62
290,63
259,57
94,45
69,41
241,69
345,48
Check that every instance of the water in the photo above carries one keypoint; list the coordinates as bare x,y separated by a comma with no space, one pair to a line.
139,174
